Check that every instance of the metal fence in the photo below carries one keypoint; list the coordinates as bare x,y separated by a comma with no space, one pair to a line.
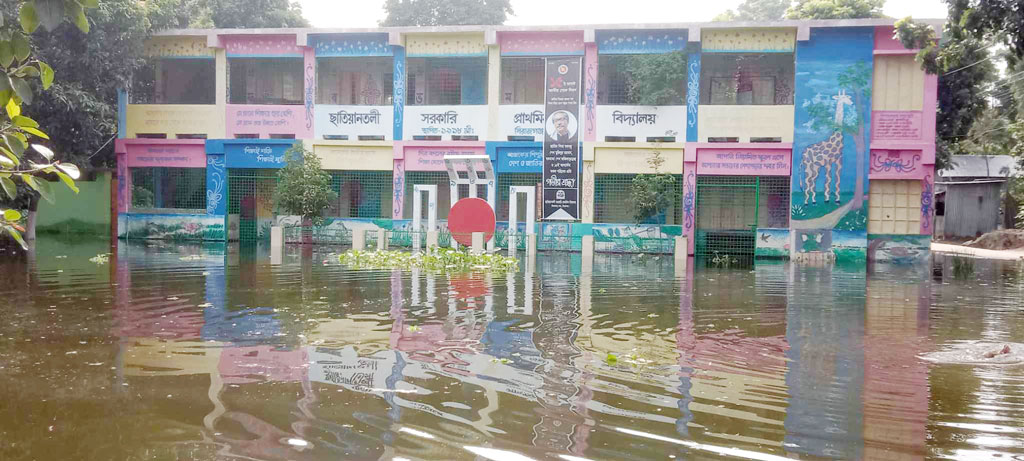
612,200
251,199
730,209
169,188
361,194
437,178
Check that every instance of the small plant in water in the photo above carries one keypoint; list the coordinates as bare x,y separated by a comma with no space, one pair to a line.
101,258
723,260
440,260
963,266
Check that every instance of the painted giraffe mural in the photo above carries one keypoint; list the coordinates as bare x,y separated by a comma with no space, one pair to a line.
825,154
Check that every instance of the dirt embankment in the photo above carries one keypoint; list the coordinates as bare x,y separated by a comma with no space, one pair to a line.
1006,239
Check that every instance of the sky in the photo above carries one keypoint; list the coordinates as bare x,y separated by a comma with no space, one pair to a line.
366,13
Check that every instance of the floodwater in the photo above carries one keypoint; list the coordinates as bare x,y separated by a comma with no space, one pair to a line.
180,351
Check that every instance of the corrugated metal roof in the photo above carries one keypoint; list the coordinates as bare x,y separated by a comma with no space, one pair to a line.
981,166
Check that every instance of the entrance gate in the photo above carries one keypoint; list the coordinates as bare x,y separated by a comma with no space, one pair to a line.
727,217
250,204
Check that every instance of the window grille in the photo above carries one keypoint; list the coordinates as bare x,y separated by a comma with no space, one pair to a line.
613,200
614,79
361,194
773,203
522,80
169,188
446,81
506,180
265,81
362,81
175,81
747,79
438,178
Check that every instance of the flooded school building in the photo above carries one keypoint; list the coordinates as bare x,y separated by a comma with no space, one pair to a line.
784,139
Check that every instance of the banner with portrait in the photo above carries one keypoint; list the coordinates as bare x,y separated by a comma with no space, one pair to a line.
561,139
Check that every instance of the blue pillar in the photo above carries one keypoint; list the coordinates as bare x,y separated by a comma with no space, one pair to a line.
398,90
122,113
692,95
216,179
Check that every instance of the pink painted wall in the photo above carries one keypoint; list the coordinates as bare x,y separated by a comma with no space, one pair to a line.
184,153
124,184
689,202
419,157
886,44
590,93
897,164
261,45
240,365
568,42
897,125
744,162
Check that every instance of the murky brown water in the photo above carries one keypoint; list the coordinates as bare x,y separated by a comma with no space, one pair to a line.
174,351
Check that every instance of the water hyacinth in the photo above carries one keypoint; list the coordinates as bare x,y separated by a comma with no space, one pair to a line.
439,260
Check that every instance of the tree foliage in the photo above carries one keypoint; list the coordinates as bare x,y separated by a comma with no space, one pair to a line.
654,79
756,10
303,188
224,14
24,158
652,194
445,12
836,9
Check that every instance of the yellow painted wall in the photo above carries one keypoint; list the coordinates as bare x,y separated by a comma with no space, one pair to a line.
445,44
348,155
174,119
177,46
895,207
898,84
742,40
631,158
745,122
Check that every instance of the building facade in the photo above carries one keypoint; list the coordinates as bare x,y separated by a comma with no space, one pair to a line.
783,138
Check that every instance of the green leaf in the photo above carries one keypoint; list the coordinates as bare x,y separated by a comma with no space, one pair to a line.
76,14
29,19
9,187
90,3
6,53
10,155
50,12
15,144
27,71
20,46
70,169
67,180
44,151
13,110
23,121
12,215
46,75
35,132
22,89
40,185
6,162
17,236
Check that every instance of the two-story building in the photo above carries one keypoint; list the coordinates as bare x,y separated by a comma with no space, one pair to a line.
783,138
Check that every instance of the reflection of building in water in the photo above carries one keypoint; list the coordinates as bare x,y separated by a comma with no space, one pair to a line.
895,380
732,357
825,330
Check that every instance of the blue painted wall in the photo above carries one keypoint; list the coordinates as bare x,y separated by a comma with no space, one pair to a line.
640,41
250,153
329,45
832,61
398,91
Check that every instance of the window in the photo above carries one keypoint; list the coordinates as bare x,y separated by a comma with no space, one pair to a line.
747,79
361,194
612,200
175,81
522,80
265,81
447,81
437,178
169,188
614,77
363,81
895,207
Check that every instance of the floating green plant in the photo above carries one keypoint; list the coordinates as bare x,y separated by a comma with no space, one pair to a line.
439,260
963,266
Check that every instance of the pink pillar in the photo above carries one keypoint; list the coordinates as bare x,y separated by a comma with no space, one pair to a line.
309,74
590,93
689,201
398,182
124,184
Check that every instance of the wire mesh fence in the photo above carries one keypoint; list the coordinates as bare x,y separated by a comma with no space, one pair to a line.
522,80
169,188
361,194
250,203
613,204
730,209
423,178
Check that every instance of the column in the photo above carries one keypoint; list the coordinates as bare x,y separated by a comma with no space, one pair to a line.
398,94
590,94
587,207
221,79
692,95
689,198
398,185
493,92
309,75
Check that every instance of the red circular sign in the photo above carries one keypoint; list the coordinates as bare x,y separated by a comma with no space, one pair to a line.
471,215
